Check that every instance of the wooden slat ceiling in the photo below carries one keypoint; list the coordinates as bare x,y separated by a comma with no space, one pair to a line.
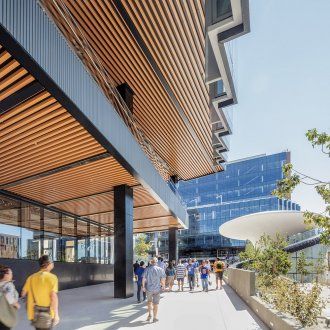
85,180
38,135
174,33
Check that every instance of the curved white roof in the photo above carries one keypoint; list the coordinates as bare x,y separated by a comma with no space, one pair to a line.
253,226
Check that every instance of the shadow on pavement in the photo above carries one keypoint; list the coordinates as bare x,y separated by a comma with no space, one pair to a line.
240,305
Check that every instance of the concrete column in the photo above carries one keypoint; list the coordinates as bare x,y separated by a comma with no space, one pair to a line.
173,244
123,230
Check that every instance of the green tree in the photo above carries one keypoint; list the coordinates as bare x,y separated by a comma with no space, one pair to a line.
267,258
293,178
142,247
272,260
301,266
249,255
320,266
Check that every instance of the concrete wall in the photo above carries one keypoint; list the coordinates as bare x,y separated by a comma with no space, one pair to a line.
70,275
243,282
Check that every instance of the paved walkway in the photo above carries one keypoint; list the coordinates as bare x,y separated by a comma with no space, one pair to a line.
93,308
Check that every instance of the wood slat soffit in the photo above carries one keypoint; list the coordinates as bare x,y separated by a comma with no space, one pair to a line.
178,127
48,157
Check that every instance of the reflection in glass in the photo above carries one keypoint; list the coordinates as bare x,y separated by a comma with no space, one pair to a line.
28,231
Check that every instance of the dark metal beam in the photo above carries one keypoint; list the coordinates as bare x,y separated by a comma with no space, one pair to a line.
55,170
20,96
121,9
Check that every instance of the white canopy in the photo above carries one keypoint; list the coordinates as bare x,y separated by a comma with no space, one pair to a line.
253,226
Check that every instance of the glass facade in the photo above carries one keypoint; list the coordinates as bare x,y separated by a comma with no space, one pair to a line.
28,231
245,187
317,254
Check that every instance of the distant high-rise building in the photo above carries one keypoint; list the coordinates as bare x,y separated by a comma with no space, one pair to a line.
9,246
244,187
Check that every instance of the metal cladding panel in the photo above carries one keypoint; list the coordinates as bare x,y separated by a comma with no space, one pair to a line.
32,29
71,275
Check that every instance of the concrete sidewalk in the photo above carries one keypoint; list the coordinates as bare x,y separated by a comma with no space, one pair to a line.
93,308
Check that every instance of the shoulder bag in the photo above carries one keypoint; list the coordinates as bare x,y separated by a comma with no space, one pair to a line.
8,313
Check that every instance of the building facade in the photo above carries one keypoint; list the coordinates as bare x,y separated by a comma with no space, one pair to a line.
9,246
317,256
96,119
245,187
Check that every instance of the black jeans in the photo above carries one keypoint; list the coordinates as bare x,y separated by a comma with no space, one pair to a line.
139,287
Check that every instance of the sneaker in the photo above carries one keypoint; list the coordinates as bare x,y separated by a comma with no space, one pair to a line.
155,320
139,301
149,318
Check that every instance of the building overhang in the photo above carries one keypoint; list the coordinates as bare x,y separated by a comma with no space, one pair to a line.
225,20
63,145
252,226
229,22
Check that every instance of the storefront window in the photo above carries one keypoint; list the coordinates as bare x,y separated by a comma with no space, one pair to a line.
68,239
28,231
94,244
51,245
82,236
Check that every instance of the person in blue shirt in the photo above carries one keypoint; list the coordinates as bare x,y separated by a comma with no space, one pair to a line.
139,273
191,274
205,270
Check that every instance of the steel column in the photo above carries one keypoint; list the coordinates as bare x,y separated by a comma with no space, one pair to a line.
173,244
123,223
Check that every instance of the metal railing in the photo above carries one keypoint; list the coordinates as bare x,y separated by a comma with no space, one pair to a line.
97,70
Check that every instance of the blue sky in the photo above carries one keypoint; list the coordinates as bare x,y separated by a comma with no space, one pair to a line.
282,80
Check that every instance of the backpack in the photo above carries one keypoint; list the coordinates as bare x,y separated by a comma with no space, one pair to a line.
219,265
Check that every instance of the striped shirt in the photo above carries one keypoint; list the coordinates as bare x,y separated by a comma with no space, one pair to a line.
180,271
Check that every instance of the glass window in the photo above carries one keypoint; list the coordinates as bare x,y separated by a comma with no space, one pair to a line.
82,236
68,239
51,243
94,244
9,232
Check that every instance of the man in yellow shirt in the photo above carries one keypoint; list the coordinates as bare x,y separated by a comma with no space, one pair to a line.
41,289
218,268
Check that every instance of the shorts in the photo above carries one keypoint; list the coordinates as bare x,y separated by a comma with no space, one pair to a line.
153,297
180,280
219,275
169,280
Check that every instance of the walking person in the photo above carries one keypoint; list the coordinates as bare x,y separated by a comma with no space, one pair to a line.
180,274
191,274
161,263
8,299
196,264
42,301
139,276
218,268
136,265
204,271
153,283
170,275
